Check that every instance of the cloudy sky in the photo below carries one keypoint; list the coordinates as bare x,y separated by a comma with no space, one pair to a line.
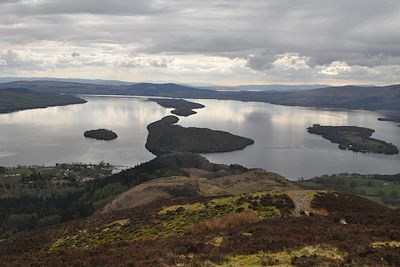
225,42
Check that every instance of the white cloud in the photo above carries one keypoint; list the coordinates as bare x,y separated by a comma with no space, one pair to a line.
335,68
291,61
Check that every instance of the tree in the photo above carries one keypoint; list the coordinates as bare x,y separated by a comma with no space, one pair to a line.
381,193
394,195
3,170
22,222
370,183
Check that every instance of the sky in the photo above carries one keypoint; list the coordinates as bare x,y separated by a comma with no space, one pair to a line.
220,42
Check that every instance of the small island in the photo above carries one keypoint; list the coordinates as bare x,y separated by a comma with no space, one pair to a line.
353,138
165,137
181,107
101,134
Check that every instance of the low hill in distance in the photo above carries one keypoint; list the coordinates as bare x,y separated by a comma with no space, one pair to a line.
165,137
348,97
269,87
20,99
73,80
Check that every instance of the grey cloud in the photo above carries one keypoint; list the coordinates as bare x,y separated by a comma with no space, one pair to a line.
102,7
361,33
12,62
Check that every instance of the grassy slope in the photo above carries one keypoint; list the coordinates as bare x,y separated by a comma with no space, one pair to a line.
281,226
208,184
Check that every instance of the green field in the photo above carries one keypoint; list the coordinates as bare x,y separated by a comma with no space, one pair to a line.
382,188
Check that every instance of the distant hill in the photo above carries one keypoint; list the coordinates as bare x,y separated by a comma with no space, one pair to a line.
74,80
20,99
267,87
348,97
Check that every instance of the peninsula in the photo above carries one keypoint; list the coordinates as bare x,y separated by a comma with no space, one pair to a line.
164,137
357,139
17,99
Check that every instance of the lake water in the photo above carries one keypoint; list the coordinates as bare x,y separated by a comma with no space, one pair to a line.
282,144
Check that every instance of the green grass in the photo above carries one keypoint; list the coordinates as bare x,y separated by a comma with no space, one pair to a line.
283,258
172,220
385,244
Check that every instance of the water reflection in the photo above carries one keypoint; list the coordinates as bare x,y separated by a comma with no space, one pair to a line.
48,136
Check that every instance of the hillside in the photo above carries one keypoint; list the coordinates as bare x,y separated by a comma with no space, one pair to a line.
349,97
199,183
183,210
241,230
381,188
21,99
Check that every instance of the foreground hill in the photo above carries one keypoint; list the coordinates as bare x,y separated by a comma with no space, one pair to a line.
200,183
202,214
21,99
349,97
292,228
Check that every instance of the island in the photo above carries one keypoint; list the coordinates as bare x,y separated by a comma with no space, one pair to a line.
393,119
183,112
101,134
353,138
17,99
181,107
165,137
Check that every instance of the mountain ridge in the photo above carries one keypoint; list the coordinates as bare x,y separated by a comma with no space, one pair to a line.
347,97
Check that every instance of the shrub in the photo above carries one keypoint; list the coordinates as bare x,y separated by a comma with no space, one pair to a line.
22,222
227,221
